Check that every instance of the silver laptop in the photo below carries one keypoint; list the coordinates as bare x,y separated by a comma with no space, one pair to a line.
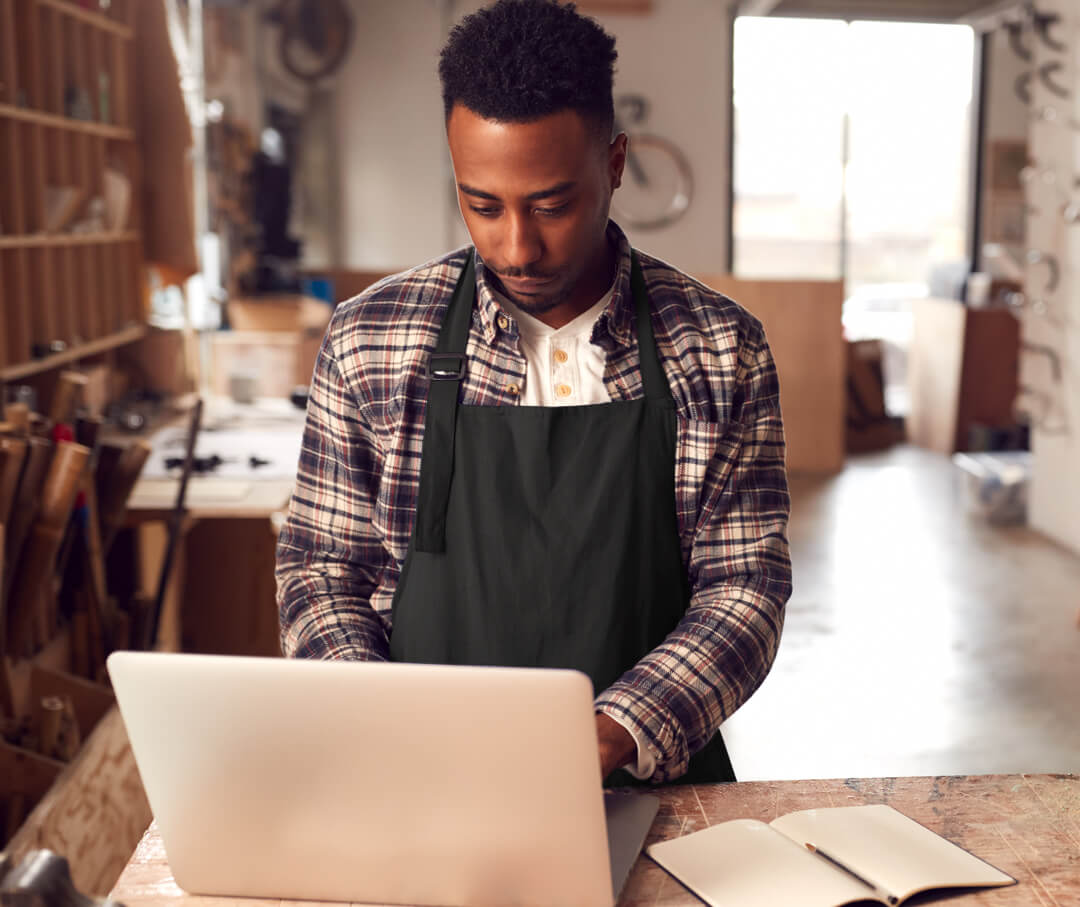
383,783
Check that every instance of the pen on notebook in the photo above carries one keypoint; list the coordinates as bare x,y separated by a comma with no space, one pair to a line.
881,893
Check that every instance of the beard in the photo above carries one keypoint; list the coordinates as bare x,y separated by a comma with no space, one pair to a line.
547,297
536,304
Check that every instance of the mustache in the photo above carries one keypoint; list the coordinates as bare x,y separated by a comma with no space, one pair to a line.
523,273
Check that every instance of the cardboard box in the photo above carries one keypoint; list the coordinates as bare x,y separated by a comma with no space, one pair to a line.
277,361
274,341
868,425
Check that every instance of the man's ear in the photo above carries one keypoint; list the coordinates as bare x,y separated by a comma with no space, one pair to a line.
617,160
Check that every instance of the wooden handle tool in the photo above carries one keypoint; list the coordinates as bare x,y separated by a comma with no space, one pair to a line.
50,716
43,543
12,457
112,502
18,416
67,396
7,694
109,454
24,509
61,484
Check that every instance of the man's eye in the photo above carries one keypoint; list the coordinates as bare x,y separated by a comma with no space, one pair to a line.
484,212
554,212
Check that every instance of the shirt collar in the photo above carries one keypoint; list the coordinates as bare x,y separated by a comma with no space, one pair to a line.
612,328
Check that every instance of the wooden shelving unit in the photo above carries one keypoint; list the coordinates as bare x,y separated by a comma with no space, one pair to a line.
71,292
70,274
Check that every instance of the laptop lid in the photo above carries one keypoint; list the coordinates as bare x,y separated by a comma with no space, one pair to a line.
370,782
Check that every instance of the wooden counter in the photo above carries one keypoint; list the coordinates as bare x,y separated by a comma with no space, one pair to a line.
1025,825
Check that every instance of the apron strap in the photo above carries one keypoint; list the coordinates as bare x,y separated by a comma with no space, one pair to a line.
446,368
652,374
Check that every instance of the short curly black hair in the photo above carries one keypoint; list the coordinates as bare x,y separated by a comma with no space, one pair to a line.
518,60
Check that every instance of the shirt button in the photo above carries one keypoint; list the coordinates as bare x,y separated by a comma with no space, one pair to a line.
503,322
564,390
560,356
513,390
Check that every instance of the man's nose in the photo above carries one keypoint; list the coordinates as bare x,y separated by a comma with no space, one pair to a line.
522,247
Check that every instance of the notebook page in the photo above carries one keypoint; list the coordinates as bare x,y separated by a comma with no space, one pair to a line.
746,863
888,848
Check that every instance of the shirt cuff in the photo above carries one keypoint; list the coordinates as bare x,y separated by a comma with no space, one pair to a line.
645,765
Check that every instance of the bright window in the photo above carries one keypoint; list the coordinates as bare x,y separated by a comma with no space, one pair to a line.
851,161
852,151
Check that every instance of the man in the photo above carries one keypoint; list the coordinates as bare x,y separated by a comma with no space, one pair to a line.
547,450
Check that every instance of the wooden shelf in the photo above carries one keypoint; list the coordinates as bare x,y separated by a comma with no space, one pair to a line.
79,292
98,20
51,240
89,127
74,354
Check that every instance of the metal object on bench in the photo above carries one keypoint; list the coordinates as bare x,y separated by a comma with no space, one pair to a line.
43,879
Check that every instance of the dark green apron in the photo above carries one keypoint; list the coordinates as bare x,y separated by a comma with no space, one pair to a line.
545,536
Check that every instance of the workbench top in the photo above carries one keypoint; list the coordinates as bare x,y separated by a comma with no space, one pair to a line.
270,428
1025,825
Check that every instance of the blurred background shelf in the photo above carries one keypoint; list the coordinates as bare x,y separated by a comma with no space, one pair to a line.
71,241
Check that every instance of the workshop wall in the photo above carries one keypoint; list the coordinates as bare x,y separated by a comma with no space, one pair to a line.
678,58
1050,360
396,204
398,207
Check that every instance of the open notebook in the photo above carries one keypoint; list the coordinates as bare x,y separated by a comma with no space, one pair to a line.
860,853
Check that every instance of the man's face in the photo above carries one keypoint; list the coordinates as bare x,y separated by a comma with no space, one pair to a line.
535,197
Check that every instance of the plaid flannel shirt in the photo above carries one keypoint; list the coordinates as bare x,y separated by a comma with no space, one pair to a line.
351,516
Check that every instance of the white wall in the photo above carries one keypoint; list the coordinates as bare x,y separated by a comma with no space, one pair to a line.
678,58
1006,115
394,180
1054,147
398,208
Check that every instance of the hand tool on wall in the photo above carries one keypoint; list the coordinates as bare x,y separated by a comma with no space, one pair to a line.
176,520
34,572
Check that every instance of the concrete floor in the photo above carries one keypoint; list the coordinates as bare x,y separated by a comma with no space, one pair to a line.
920,640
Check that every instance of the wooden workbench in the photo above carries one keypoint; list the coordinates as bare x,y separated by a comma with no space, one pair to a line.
1025,825
210,607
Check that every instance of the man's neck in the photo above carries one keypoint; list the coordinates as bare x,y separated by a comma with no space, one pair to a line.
594,283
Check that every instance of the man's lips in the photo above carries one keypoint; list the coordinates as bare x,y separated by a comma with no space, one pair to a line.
525,285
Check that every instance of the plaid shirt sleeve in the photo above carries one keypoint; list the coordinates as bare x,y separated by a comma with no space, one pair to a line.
329,560
678,695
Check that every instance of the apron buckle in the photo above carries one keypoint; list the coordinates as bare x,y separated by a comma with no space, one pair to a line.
446,366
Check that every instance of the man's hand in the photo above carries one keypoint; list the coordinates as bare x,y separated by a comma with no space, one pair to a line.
617,747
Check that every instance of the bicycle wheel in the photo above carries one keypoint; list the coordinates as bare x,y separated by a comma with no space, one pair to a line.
657,183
